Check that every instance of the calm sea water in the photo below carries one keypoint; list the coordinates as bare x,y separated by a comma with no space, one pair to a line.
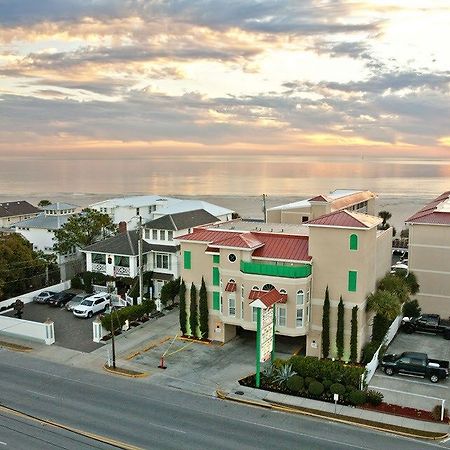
243,174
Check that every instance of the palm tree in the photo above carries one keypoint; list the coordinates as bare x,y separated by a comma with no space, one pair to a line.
385,304
412,283
396,285
385,215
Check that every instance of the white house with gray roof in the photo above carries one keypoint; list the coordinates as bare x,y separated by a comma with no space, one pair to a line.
149,207
13,212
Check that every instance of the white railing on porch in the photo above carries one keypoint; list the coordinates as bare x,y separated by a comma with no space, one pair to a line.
121,271
99,268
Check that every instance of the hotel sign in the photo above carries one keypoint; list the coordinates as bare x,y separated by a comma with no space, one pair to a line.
266,343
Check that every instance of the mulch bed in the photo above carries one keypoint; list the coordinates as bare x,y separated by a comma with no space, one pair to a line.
404,411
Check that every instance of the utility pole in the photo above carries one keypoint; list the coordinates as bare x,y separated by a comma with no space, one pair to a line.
264,208
141,265
113,346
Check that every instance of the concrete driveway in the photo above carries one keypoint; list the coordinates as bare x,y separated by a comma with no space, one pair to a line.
414,391
70,331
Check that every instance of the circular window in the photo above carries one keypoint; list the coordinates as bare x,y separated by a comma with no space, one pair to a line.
232,257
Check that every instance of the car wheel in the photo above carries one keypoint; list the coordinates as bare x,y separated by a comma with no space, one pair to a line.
389,371
90,314
434,378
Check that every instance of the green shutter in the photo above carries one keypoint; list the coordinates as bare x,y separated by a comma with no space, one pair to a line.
216,259
187,259
216,276
352,277
353,242
216,301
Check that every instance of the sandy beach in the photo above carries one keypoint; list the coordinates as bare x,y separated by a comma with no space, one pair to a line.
401,207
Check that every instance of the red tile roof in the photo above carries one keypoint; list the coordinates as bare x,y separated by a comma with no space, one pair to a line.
269,298
346,219
433,212
288,247
230,287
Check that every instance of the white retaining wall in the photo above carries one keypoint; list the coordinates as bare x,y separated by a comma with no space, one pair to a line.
42,332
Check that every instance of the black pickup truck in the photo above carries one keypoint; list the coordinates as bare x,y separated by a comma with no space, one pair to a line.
413,363
430,323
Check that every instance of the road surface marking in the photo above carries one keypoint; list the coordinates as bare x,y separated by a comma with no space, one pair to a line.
435,385
166,428
40,393
403,392
3,443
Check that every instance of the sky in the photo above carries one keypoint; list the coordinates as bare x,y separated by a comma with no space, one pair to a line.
215,76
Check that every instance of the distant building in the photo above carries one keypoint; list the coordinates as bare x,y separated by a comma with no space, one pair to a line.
13,212
340,199
40,231
429,254
149,207
291,265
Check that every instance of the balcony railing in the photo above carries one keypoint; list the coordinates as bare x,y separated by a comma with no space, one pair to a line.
120,271
96,267
276,271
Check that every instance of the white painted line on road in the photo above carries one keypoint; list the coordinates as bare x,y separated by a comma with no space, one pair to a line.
407,393
166,428
434,385
445,440
40,393
3,443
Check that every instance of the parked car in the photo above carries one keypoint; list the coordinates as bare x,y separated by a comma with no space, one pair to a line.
61,298
92,305
76,301
44,296
428,323
413,363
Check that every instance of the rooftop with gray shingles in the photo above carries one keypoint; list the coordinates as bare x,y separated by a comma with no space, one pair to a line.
182,220
18,208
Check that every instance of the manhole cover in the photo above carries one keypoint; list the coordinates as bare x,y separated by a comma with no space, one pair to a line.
239,393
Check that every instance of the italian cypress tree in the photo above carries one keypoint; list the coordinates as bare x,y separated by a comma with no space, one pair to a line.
183,315
193,314
203,307
326,325
340,330
354,336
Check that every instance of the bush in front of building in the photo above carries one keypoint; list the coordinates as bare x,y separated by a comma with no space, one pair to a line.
337,388
131,313
374,397
295,383
316,388
357,397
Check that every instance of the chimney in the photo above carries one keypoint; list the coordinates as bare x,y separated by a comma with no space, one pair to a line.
122,227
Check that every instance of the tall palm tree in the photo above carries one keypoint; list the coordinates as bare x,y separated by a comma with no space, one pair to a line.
396,285
385,304
385,215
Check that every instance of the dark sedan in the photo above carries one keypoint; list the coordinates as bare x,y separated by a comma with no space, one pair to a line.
61,299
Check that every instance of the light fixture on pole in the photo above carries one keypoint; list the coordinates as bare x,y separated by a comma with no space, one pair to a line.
141,265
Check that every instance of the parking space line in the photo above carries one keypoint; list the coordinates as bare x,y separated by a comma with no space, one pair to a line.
403,392
416,382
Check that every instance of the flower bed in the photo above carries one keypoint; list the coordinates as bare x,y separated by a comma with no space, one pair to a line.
404,411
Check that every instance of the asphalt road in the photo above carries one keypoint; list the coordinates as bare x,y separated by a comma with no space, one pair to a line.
147,416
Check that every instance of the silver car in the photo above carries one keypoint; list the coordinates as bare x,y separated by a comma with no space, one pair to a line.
76,301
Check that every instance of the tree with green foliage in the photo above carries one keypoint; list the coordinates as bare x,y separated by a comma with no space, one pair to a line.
340,329
183,314
354,335
82,230
396,285
43,203
21,268
385,215
411,309
384,303
204,313
411,281
326,325
193,312
169,291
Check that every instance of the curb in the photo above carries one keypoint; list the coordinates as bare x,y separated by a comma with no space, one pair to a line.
197,341
117,371
284,408
15,347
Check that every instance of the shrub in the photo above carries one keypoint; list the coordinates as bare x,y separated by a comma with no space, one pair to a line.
411,309
374,397
368,351
295,383
316,388
436,412
357,397
327,384
278,362
380,326
337,388
76,283
326,325
340,329
283,374
309,380
354,335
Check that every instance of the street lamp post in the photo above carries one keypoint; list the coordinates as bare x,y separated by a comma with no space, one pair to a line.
113,346
141,265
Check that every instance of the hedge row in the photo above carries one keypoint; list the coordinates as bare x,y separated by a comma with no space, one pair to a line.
131,313
325,369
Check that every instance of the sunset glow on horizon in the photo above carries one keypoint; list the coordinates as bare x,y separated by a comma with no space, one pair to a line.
313,77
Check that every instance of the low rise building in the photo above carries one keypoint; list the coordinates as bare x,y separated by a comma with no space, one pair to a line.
13,212
429,254
292,265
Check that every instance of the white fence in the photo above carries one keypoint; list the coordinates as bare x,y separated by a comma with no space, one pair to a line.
392,331
42,332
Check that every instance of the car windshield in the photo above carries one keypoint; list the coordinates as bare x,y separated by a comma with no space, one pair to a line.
78,298
87,302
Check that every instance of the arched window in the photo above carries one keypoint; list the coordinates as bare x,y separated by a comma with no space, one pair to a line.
231,280
255,288
268,287
353,242
300,297
283,291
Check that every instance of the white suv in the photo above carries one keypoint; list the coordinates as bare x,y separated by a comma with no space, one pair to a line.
92,305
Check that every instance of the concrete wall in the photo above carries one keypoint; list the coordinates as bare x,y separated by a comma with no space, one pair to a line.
429,259
41,332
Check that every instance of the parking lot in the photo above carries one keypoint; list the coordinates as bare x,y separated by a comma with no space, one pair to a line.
70,331
414,391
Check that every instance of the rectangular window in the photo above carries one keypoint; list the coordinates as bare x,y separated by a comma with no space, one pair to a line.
162,235
352,280
155,235
98,258
216,259
216,301
146,234
299,318
137,211
231,306
242,308
242,291
170,235
254,314
215,276
281,316
161,261
187,259
122,261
